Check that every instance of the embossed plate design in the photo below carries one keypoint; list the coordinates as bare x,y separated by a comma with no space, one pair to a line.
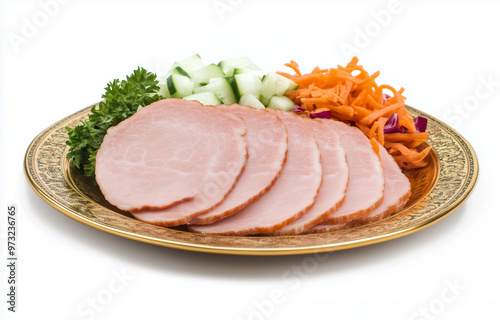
437,191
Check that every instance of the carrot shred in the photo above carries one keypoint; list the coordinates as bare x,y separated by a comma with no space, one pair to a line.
375,146
374,103
397,146
354,61
416,157
364,129
362,112
415,143
382,112
406,120
381,123
351,94
394,137
373,131
295,67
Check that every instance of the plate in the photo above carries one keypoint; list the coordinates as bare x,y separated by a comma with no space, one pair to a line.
437,191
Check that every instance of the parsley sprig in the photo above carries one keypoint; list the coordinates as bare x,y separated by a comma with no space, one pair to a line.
121,100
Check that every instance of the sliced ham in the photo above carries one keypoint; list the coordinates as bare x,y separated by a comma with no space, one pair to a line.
291,196
396,195
365,190
267,146
172,153
335,178
320,228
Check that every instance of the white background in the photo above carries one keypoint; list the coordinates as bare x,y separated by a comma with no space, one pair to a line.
442,52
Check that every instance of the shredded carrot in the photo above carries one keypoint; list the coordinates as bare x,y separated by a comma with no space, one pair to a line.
374,103
375,146
294,66
352,95
415,143
369,119
359,113
374,128
414,157
365,129
393,137
406,120
399,147
381,123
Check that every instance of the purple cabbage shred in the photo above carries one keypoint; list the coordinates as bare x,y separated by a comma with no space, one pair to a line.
297,109
392,124
322,115
420,124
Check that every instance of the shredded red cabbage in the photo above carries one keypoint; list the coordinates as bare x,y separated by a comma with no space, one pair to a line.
420,124
296,108
322,115
392,124
386,96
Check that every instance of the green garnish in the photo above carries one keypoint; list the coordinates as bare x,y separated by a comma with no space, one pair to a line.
121,100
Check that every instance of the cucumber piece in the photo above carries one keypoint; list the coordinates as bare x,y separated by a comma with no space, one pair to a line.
190,64
181,71
250,100
229,65
203,75
222,89
281,102
163,90
207,98
162,83
246,83
273,84
291,85
258,72
179,86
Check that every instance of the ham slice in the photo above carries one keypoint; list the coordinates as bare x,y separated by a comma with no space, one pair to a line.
365,190
396,195
291,196
335,177
267,147
169,154
320,228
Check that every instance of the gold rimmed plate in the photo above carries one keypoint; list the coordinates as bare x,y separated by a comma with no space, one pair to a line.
437,191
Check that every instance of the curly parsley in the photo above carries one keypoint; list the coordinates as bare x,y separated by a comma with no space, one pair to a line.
121,100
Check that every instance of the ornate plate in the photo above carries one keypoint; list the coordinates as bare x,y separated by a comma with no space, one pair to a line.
437,191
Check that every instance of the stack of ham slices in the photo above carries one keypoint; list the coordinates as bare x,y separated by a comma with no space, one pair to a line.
236,170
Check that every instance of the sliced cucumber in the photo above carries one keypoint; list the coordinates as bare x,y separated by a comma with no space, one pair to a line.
292,85
250,100
232,80
179,86
203,75
273,84
190,64
258,72
162,83
246,83
207,98
181,71
229,65
281,102
163,90
222,89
